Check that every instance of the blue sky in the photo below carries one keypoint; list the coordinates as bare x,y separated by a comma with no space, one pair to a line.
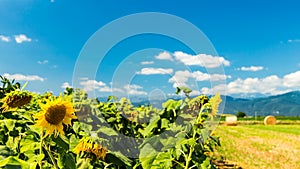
257,47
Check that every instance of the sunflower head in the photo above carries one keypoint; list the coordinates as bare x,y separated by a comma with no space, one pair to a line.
15,99
54,114
215,102
89,148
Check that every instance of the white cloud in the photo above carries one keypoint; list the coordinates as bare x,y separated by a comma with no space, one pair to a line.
4,38
65,85
110,89
267,85
133,89
195,93
251,68
84,78
147,62
270,85
90,85
133,86
54,66
42,62
22,38
164,56
292,80
152,71
21,77
221,88
200,76
127,89
181,78
203,60
293,40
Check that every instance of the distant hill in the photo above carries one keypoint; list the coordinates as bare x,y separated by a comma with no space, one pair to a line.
287,104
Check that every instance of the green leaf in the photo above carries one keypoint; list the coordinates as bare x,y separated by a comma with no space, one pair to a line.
70,161
24,85
86,129
28,145
190,141
147,156
83,164
66,161
171,104
205,134
178,152
76,127
118,159
5,152
33,165
164,123
73,142
108,131
186,90
10,124
111,119
178,90
35,158
110,98
163,160
61,141
206,163
12,160
34,129
12,142
183,89
150,127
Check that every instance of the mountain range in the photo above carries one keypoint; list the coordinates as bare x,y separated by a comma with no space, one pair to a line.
287,104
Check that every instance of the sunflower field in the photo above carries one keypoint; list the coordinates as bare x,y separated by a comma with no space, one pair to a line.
74,131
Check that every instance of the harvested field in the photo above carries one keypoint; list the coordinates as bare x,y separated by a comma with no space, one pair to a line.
259,146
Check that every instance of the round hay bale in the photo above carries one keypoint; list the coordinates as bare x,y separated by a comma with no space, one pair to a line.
231,121
270,120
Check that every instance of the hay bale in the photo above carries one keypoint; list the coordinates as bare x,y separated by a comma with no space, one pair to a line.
270,120
231,121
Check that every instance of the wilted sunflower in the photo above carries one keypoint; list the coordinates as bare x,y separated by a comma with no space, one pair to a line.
215,102
15,99
89,147
54,114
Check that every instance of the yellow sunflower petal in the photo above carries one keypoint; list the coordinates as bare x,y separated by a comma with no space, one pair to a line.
54,114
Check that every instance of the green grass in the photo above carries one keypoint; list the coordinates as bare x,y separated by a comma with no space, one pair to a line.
259,146
289,129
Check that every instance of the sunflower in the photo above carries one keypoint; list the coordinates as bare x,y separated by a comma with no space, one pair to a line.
89,147
15,99
55,113
215,102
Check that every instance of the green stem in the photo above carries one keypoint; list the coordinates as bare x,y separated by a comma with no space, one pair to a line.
52,158
181,165
189,158
41,148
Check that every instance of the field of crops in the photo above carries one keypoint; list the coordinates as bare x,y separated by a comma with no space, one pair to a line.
73,131
259,146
